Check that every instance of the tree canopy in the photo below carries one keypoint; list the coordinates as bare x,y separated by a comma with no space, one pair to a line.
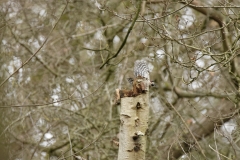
61,62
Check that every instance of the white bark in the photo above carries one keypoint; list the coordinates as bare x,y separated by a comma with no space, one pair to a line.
133,128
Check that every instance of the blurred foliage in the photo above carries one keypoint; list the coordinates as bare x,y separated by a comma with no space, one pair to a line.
60,104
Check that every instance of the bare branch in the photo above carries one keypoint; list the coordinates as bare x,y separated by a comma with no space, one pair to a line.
126,37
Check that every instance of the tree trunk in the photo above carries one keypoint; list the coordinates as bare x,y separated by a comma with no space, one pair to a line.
133,127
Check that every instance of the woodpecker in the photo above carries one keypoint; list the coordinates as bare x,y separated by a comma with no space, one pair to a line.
141,70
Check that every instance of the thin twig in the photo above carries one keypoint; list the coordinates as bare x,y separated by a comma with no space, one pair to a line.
146,20
201,150
99,135
126,37
70,143
218,152
36,146
26,62
61,100
94,30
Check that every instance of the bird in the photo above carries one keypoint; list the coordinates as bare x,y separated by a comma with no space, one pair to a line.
141,70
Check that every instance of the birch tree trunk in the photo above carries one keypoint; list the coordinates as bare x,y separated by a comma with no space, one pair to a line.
133,127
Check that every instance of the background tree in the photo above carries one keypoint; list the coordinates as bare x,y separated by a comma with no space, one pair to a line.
61,62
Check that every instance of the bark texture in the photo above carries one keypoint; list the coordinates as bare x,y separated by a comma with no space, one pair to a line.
134,116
